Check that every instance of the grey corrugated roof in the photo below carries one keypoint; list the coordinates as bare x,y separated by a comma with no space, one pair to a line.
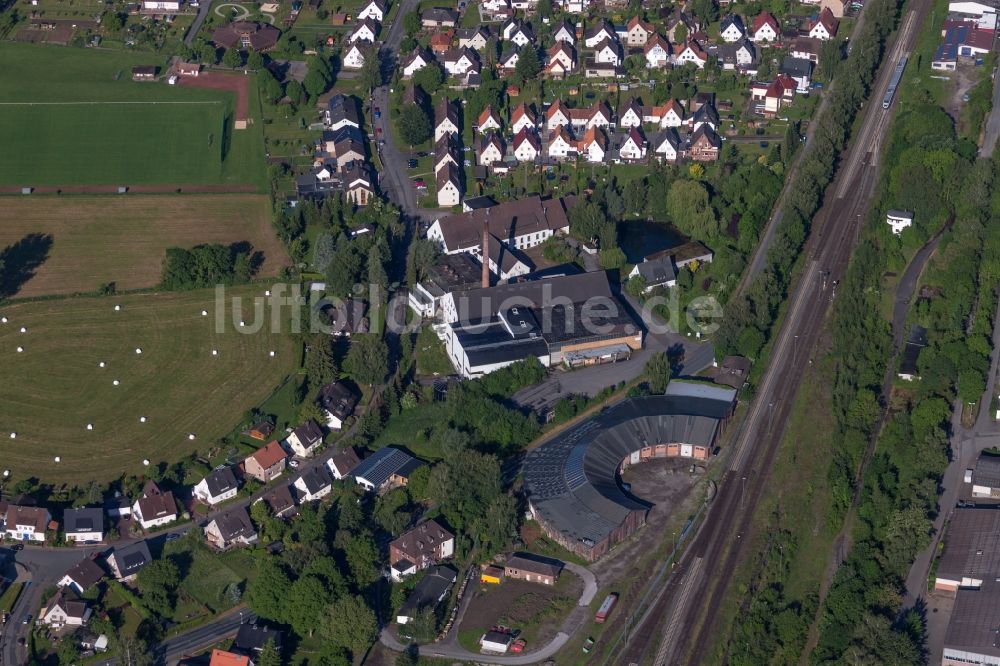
972,544
974,621
987,471
572,479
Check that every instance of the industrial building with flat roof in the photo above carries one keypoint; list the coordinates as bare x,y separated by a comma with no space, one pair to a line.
572,319
572,481
969,569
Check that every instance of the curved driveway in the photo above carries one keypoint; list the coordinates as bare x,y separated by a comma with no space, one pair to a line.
449,648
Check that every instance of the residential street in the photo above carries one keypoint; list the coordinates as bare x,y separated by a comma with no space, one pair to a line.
206,5
992,129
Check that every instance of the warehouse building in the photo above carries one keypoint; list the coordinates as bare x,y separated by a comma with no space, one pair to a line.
573,480
569,319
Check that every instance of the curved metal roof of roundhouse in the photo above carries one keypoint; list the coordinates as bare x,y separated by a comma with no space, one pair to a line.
572,480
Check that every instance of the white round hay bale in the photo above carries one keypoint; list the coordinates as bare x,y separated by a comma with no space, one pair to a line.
3,319
13,435
145,462
215,352
6,472
242,323
191,436
204,313
20,349
90,426
115,382
272,352
142,419
57,459
24,329
138,350
101,364
267,293
118,308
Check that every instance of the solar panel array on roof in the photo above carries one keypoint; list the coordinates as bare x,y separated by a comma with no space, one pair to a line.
380,466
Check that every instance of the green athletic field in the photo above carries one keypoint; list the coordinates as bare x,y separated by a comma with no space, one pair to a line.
75,117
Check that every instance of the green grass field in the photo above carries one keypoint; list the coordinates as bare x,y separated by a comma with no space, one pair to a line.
75,117
55,387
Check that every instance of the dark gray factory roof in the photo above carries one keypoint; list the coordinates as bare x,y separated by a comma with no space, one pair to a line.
572,479
973,625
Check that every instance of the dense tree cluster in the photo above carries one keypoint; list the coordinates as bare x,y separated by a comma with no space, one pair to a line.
207,266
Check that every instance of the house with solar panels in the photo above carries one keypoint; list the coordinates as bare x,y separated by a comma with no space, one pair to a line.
573,481
385,469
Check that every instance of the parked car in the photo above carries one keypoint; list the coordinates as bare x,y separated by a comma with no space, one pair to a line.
293,463
518,645
27,619
588,645
419,182
378,113
173,537
411,164
764,144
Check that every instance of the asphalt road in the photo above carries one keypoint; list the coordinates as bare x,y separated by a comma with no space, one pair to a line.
682,624
203,10
992,129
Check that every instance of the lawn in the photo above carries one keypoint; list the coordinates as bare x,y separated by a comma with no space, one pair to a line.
122,239
75,117
55,387
205,577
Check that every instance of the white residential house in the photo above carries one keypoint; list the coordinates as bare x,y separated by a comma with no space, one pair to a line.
314,484
374,10
491,150
732,29
825,26
488,120
602,32
557,115
26,523
449,186
561,59
460,61
630,115
565,33
899,220
155,508
337,401
521,36
670,114
638,32
692,53
527,146
354,58
561,144
416,62
508,59
445,120
217,487
367,31
594,145
63,611
657,52
304,440
765,28
84,525
667,145
634,146
521,117
608,52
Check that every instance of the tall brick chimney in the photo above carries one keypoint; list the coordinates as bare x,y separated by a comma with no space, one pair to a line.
486,250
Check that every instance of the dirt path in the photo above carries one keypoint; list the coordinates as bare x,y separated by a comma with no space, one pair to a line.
133,189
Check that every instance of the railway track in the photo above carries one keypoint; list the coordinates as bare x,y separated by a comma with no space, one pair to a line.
680,625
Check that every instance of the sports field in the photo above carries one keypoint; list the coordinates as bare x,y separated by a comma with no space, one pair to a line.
55,387
122,239
74,116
